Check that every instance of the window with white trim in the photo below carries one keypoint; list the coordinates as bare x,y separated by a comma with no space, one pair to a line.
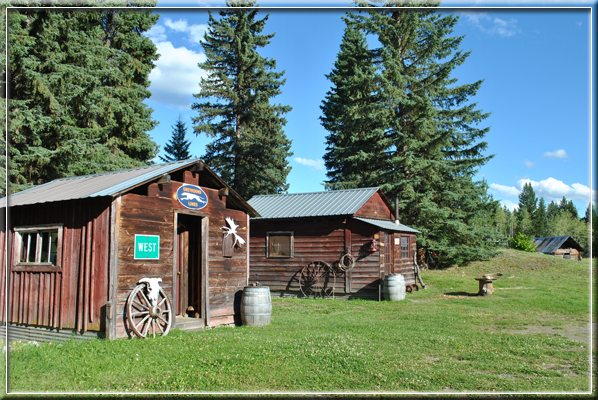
39,245
279,244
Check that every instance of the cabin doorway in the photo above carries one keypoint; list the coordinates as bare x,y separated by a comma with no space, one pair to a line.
189,278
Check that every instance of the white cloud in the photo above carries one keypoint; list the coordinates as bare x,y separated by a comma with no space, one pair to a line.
550,189
318,165
194,32
507,191
497,26
553,189
176,76
555,155
509,204
528,163
157,33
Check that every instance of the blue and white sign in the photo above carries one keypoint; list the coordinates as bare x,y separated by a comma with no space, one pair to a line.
192,197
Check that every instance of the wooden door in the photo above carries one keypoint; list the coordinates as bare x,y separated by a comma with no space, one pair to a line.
188,285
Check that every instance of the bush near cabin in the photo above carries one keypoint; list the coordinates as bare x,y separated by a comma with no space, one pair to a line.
523,242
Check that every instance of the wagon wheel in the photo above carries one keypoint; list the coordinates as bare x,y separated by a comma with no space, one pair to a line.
317,279
415,287
143,316
409,289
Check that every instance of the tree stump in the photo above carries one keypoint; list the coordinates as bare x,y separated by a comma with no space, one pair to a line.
486,287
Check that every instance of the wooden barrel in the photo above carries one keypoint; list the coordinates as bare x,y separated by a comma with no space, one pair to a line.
394,287
256,306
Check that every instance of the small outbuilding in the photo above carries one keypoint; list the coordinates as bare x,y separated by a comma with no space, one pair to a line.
559,246
338,243
77,248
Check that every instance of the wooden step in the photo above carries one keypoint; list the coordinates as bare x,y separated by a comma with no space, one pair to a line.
189,324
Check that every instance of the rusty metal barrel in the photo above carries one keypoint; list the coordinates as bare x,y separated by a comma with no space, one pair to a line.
256,306
394,287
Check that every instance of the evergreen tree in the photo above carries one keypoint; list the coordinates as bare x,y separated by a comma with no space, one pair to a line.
432,147
78,79
592,225
552,211
356,145
177,147
2,105
527,199
250,149
525,224
540,220
568,206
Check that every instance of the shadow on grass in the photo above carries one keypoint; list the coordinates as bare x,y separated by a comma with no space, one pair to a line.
461,294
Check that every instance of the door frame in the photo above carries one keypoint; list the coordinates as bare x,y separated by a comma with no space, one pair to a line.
203,262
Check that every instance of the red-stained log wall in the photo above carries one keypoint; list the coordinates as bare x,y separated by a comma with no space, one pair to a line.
324,239
74,295
155,214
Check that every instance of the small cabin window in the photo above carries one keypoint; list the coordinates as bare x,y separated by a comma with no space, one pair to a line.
39,246
404,247
279,244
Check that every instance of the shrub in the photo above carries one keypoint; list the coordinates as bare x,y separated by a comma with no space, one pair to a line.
523,242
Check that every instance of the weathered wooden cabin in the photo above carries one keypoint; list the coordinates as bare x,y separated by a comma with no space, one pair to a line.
299,238
559,246
77,247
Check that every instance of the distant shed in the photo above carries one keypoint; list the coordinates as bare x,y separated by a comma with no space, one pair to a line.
559,246
294,230
76,247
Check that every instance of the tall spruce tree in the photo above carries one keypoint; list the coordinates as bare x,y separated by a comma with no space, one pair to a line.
540,219
2,104
177,147
552,211
354,150
78,79
250,150
568,206
434,147
527,199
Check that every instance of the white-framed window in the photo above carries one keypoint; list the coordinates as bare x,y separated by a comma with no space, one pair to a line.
404,247
279,244
39,245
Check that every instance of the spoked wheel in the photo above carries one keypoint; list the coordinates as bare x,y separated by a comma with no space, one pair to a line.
144,317
317,279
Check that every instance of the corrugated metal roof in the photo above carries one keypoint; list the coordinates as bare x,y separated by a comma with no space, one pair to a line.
549,245
316,204
388,225
97,185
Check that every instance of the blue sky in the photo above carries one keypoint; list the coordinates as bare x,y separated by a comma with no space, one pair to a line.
535,63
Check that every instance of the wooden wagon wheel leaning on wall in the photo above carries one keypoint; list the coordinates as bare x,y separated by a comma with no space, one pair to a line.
317,279
148,308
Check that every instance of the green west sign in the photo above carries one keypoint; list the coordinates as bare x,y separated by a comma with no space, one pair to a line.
147,247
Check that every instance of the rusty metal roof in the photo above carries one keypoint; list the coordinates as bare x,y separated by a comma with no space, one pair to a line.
316,204
549,245
108,184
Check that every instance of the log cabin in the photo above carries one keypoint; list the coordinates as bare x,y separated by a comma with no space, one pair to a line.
77,248
558,246
337,243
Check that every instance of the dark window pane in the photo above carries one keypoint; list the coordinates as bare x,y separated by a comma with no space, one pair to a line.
32,247
24,246
53,246
45,237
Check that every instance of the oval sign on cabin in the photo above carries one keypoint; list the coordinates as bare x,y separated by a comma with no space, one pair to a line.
192,197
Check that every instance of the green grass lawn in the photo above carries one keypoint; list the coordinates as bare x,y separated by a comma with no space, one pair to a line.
531,335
